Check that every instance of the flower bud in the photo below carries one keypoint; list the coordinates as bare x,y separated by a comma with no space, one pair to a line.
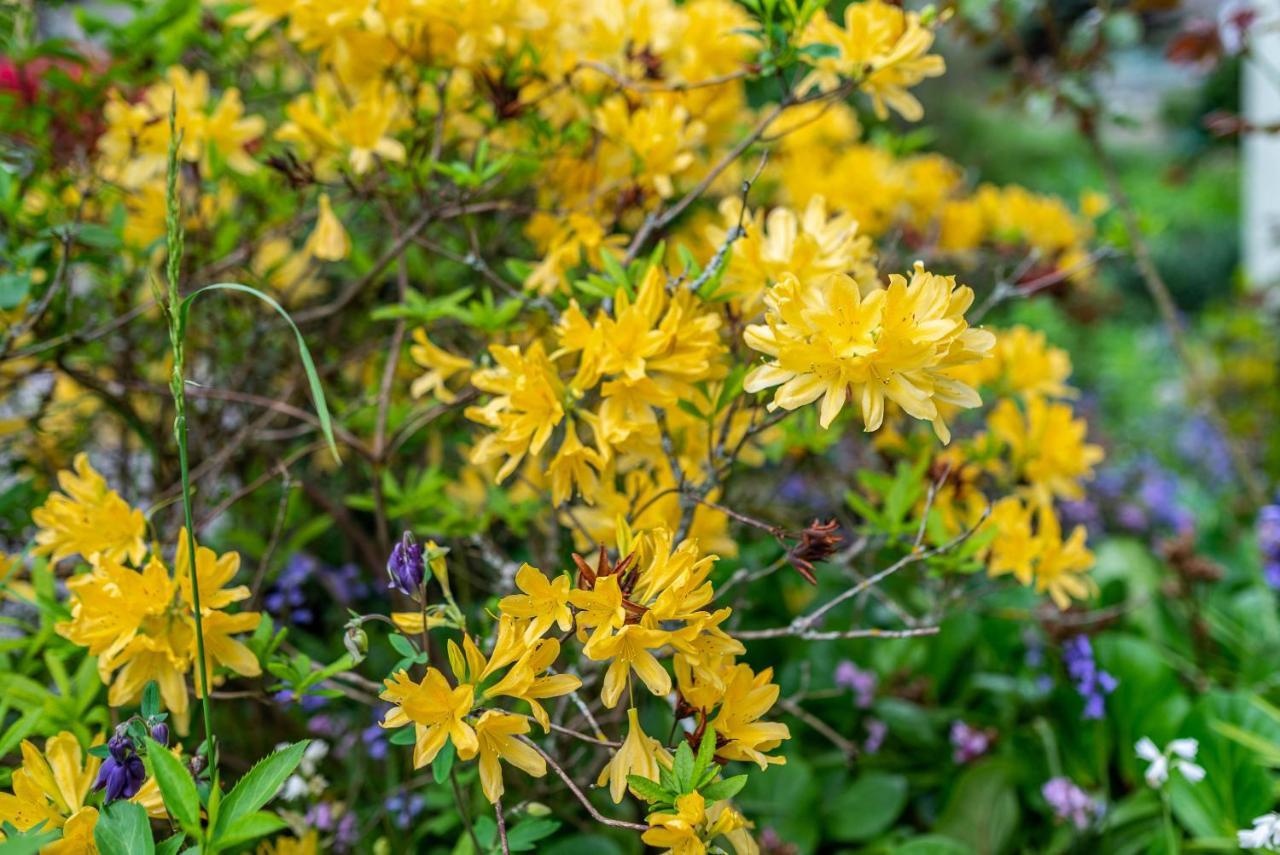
406,566
356,640
160,733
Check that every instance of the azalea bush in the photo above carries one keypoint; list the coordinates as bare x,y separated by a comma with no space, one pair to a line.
603,426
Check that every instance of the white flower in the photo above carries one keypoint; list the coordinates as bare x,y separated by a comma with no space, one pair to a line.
1265,833
1177,755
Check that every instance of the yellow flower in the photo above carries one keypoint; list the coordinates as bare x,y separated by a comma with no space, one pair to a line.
655,142
884,48
679,833
526,410
628,648
496,734
1094,204
88,518
1015,548
542,601
307,844
638,755
1046,446
525,681
11,586
1060,571
440,364
437,711
212,574
329,240
828,341
747,697
51,788
367,126
600,607
812,244
574,466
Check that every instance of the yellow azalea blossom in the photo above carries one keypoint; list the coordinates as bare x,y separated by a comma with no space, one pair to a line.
1015,548
1046,446
436,710
542,601
808,245
52,787
679,833
1062,565
10,585
527,407
307,844
828,341
213,572
574,468
411,623
526,682
599,608
638,755
655,141
882,46
627,650
497,735
328,240
441,365
746,699
88,518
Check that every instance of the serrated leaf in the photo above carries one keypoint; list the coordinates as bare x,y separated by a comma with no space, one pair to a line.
176,786
726,789
259,785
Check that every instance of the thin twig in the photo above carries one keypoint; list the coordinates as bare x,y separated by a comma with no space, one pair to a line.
577,791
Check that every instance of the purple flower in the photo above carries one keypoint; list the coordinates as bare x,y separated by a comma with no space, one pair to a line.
406,566
122,773
861,683
404,809
160,733
1092,684
1070,803
877,730
968,743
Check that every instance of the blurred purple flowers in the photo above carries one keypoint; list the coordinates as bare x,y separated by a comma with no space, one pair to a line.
861,683
1069,803
1269,543
287,597
1092,684
968,743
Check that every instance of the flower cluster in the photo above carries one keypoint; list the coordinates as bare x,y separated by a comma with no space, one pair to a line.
129,610
1091,682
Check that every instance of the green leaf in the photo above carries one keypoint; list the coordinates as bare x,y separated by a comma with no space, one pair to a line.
983,809
403,736
706,754
123,829
870,806
151,699
726,789
171,845
522,837
259,785
402,645
682,768
176,786
313,378
26,842
248,828
13,289
648,790
443,763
